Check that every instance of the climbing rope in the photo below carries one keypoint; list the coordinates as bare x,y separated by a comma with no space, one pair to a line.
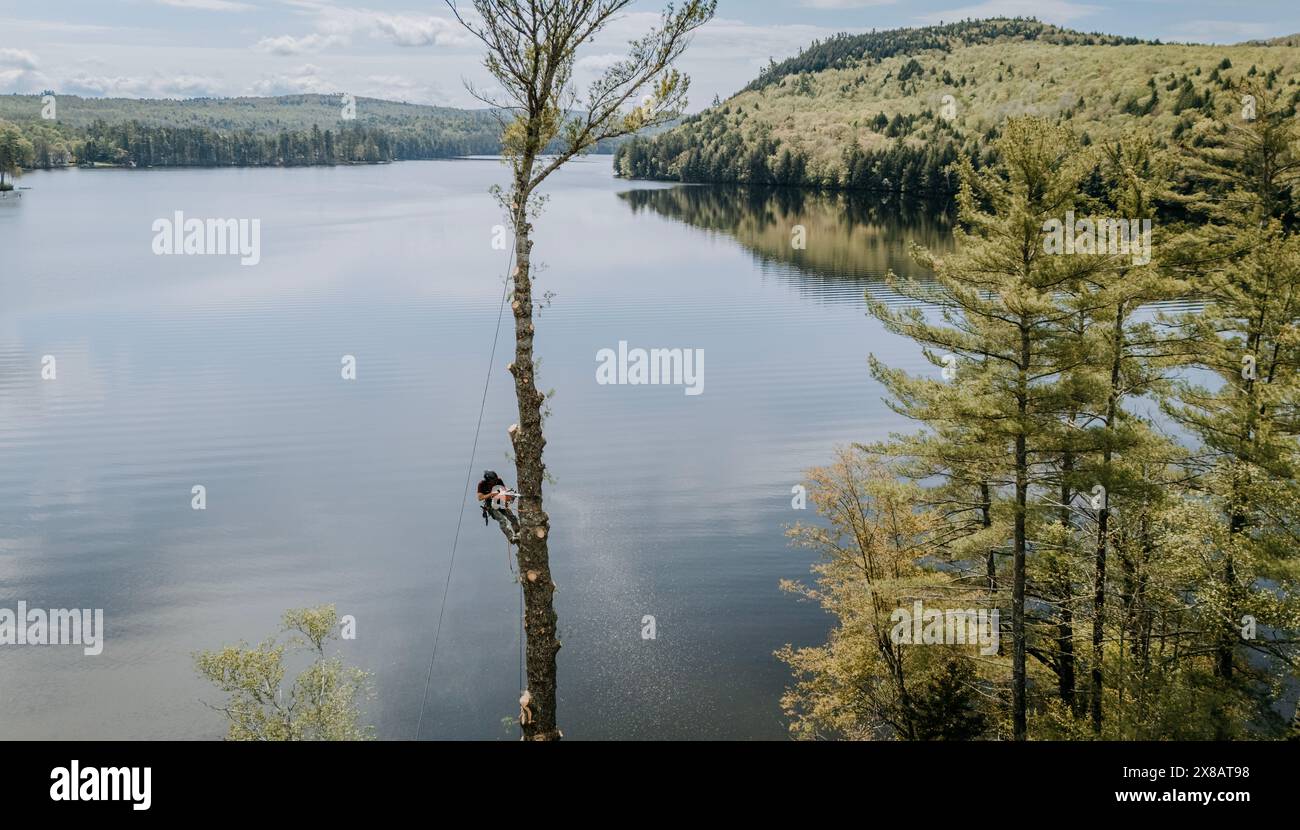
521,637
469,476
511,565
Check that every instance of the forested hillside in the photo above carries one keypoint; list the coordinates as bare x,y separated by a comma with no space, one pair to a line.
289,130
892,110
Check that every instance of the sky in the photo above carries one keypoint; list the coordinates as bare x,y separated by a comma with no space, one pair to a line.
413,50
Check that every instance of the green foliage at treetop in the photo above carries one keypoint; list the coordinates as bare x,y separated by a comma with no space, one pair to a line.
323,703
14,153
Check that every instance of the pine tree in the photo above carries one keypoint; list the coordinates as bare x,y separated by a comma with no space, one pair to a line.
1002,310
1120,460
948,708
1247,337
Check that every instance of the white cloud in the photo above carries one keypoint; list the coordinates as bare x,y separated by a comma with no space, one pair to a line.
402,88
290,45
724,37
400,29
17,59
9,24
20,73
310,79
306,79
405,30
207,5
135,86
844,4
1222,31
597,63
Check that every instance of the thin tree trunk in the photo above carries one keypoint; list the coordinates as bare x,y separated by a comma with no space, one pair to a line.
539,719
1103,531
895,659
1067,675
1146,621
1238,521
1237,524
1018,694
1065,685
986,513
1099,617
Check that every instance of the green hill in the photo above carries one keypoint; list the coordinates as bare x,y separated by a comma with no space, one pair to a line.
890,110
288,112
287,130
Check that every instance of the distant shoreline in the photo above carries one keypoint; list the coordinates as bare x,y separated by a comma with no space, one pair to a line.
384,163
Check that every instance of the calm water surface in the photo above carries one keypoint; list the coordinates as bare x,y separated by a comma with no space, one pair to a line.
177,371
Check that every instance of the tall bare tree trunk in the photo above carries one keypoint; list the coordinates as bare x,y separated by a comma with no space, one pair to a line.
1103,531
1066,661
1019,698
533,48
538,715
1099,619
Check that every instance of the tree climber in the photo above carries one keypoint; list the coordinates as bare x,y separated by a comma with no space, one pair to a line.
494,498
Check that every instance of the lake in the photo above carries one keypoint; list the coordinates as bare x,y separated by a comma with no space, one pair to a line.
176,371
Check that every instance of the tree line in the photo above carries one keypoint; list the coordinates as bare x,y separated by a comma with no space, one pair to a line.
1105,453
703,149
134,143
846,50
33,143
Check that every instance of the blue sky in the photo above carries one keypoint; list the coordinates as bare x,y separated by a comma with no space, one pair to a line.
411,49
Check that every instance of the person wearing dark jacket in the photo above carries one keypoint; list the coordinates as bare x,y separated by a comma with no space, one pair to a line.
494,497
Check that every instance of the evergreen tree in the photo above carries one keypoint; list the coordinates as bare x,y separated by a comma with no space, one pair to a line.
1002,306
1248,273
948,708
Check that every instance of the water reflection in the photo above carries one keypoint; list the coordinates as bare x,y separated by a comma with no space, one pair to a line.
825,243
